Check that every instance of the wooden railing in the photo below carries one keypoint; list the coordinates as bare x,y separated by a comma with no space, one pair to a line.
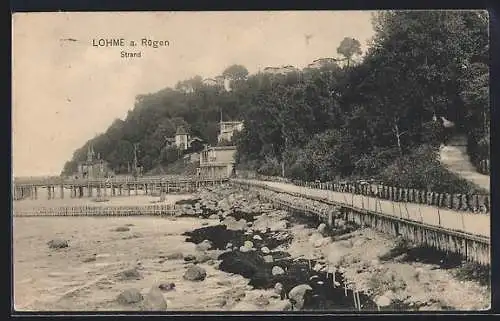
119,180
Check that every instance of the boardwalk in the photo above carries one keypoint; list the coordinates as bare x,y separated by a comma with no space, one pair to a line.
467,222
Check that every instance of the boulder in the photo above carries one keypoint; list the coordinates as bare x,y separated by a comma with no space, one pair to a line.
154,300
248,244
321,242
91,258
121,229
296,295
232,224
278,288
277,270
189,258
195,273
382,301
224,282
261,301
279,226
130,274
315,236
245,249
175,256
317,267
202,258
281,305
58,244
322,228
257,237
229,245
166,286
204,246
268,258
130,296
265,250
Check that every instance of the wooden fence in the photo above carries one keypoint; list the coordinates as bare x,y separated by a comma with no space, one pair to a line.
477,203
483,166
155,210
472,247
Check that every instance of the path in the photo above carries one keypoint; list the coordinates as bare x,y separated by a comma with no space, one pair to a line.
455,158
478,224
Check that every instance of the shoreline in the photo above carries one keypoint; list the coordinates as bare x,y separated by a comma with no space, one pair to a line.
151,241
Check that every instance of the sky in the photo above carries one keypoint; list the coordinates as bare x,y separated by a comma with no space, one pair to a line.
66,91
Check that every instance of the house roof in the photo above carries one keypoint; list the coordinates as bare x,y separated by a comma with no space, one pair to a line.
181,131
221,147
196,138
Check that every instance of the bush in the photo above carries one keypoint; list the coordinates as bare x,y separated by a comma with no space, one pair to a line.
422,170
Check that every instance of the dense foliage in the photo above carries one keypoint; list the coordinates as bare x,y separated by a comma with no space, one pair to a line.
355,117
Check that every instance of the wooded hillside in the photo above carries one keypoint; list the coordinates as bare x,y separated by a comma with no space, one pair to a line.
354,117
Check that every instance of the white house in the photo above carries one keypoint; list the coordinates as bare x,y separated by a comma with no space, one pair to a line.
227,130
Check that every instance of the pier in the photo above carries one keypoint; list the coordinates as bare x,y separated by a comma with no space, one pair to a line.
59,188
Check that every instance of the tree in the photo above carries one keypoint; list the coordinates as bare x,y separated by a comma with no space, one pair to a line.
236,74
349,47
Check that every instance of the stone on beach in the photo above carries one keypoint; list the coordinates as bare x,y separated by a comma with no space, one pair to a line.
265,250
189,258
245,249
322,228
297,294
154,300
58,244
91,258
204,246
175,256
232,224
202,258
268,258
383,301
195,273
321,242
129,296
121,229
130,274
168,286
277,270
278,288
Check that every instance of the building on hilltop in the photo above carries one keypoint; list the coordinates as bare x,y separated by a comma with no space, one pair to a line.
210,82
93,167
282,70
184,141
181,138
227,130
323,62
217,162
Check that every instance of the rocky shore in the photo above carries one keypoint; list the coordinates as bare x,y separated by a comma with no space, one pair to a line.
229,250
304,265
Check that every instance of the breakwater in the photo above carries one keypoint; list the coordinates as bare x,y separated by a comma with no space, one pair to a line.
156,210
